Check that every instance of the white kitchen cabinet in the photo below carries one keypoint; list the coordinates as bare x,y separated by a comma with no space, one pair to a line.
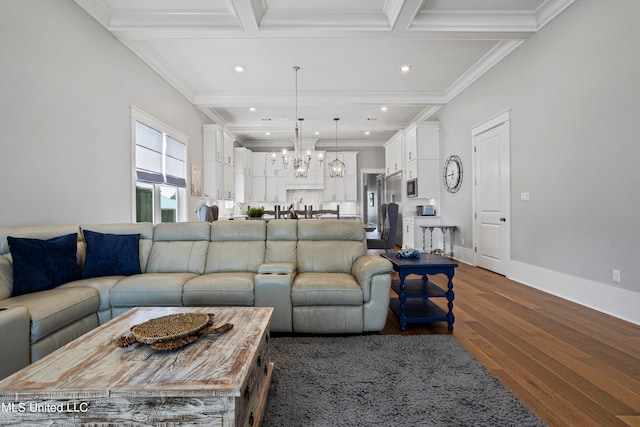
258,164
242,171
393,154
228,182
275,190
341,189
227,151
410,144
422,158
211,155
217,182
258,189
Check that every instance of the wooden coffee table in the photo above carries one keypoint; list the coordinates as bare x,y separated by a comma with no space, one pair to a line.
218,380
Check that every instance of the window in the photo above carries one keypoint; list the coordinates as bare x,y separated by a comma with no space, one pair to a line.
160,170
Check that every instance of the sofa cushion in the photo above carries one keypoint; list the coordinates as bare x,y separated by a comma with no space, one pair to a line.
282,240
236,246
56,308
111,254
102,285
219,289
326,289
178,256
331,245
40,265
330,256
235,256
149,289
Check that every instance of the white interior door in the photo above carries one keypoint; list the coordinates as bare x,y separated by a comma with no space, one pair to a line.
491,170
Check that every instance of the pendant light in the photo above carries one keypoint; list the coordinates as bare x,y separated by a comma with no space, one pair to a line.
336,167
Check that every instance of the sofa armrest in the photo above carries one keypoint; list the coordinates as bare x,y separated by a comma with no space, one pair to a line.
6,277
14,331
277,268
366,267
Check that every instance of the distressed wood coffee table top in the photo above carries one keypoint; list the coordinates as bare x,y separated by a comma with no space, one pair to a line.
93,367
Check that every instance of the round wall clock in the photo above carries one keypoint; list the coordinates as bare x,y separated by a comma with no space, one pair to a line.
452,174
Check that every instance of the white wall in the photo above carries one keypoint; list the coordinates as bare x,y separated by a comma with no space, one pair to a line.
573,91
66,87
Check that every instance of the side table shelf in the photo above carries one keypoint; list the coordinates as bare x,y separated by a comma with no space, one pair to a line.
416,288
418,306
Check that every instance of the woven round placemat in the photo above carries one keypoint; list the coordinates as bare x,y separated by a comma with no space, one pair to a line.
169,327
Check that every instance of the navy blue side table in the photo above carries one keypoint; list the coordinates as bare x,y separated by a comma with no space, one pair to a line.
413,304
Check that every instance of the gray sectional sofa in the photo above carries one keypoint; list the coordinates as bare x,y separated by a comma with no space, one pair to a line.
315,273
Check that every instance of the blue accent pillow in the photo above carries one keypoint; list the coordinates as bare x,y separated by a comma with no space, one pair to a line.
39,265
111,254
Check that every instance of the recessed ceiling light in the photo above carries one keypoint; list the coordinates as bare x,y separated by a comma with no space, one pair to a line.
239,68
383,108
405,68
317,133
367,133
252,108
267,133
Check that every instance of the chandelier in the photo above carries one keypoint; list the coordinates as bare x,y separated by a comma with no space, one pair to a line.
336,167
299,162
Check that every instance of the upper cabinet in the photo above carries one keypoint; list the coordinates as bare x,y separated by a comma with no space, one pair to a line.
268,180
217,159
422,157
393,154
243,163
341,189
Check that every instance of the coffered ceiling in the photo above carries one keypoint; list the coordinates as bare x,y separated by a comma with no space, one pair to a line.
350,54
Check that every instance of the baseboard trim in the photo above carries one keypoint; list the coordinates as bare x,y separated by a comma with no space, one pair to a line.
612,300
608,299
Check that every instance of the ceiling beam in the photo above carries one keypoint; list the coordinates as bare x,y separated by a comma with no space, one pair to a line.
318,98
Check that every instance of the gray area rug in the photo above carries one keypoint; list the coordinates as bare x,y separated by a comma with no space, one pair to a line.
391,380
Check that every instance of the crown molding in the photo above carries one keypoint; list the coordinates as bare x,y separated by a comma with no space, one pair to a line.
97,10
484,64
549,10
164,71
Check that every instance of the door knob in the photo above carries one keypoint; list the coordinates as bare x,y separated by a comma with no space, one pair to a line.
503,219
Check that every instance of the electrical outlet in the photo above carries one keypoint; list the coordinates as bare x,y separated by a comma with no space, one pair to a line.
524,196
462,241
615,276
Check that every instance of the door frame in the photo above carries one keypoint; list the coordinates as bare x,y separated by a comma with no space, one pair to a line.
363,196
499,119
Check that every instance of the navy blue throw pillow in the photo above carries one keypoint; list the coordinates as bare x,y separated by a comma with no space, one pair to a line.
111,254
39,265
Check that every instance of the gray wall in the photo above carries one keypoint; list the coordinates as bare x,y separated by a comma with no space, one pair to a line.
66,87
573,90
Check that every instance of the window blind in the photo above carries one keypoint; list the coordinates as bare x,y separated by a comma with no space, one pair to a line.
148,154
175,163
160,159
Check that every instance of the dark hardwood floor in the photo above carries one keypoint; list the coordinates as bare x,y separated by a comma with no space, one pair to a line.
571,365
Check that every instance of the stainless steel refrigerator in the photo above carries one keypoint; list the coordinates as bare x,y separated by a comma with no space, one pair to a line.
393,190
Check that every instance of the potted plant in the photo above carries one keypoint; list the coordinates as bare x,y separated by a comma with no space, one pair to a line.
255,213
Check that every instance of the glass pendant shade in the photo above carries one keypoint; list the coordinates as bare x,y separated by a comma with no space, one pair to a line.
336,167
